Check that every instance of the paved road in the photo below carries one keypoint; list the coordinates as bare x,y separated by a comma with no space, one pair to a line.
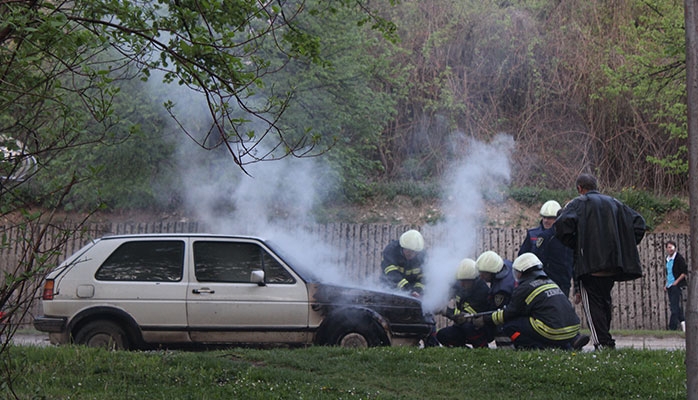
647,342
637,342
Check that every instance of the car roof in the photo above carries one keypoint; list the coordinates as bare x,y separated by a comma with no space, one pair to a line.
179,235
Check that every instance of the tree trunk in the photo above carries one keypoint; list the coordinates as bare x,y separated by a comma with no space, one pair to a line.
691,7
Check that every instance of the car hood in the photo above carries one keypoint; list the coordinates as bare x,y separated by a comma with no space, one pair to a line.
394,307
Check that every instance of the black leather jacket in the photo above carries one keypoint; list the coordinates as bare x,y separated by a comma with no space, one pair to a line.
604,234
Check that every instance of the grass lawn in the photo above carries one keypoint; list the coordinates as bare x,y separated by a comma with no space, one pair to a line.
75,372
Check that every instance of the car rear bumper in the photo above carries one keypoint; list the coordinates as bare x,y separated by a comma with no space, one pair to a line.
50,324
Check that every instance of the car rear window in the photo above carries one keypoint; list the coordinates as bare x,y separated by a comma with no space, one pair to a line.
148,260
234,262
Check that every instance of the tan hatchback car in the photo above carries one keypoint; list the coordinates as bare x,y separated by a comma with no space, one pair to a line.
166,290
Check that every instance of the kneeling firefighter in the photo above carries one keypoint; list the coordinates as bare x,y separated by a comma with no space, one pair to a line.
469,296
539,314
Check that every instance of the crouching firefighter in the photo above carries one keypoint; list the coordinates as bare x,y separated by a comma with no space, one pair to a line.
402,263
469,297
539,315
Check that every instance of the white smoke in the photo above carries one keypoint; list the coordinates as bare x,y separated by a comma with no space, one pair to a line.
275,200
271,199
481,174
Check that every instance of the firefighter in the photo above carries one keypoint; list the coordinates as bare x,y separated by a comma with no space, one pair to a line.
402,263
539,314
469,297
497,272
556,257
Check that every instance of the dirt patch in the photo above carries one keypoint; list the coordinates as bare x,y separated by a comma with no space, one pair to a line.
401,210
507,214
676,221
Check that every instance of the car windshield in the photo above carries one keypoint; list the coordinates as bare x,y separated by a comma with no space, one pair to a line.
294,262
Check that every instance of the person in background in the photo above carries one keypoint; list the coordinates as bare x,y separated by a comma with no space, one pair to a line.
539,315
402,263
604,234
676,273
498,273
469,296
557,258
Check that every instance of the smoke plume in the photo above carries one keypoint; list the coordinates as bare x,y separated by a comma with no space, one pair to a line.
481,174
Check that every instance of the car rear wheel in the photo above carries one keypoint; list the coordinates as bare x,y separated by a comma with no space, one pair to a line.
101,333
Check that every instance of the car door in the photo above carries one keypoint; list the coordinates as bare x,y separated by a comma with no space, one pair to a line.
143,277
224,305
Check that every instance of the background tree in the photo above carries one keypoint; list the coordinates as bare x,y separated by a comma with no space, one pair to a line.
65,124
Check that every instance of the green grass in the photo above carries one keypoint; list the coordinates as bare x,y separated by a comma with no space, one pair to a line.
334,373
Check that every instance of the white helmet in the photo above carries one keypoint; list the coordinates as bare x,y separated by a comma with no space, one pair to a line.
489,261
550,209
527,261
466,270
412,240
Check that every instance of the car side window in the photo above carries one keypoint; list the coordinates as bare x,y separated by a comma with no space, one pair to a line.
234,262
274,272
149,261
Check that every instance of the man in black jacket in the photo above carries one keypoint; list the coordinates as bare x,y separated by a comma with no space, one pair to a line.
677,271
604,234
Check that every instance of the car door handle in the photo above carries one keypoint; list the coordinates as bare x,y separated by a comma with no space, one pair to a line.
203,290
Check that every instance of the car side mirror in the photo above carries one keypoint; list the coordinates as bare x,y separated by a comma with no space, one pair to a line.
257,276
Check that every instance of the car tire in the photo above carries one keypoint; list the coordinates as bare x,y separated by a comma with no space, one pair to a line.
356,334
104,334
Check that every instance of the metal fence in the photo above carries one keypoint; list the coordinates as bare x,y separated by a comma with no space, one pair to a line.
639,304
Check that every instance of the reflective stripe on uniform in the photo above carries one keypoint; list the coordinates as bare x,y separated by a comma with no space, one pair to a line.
539,290
391,268
413,271
469,309
564,333
402,283
498,317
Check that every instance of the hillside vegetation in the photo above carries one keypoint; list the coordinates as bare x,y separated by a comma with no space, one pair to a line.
592,86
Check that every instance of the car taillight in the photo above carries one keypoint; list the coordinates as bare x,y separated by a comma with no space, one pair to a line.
48,290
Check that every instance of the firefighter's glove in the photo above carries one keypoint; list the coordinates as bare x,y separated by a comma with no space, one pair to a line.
479,322
459,318
448,313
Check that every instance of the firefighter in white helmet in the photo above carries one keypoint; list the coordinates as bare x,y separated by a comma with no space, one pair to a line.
469,296
402,263
539,315
497,272
557,258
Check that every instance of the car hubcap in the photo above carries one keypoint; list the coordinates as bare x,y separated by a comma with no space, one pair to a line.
354,340
104,341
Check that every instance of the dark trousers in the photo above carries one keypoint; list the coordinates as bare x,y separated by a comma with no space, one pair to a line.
598,308
523,336
465,334
675,307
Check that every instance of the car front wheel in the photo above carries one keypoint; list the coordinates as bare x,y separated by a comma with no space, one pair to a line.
358,335
105,334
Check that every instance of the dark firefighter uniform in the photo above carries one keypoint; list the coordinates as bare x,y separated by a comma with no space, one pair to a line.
399,272
556,257
501,287
469,301
539,314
